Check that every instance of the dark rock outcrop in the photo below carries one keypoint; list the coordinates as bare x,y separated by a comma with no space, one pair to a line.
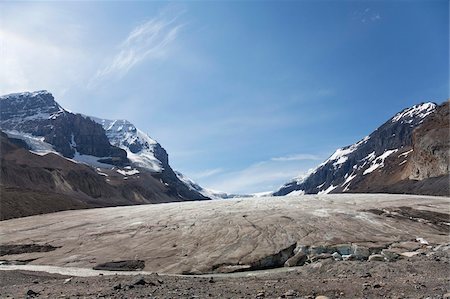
38,114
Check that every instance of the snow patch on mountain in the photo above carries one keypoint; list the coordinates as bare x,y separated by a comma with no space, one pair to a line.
378,162
126,172
326,191
90,160
296,193
36,144
139,146
421,111
340,156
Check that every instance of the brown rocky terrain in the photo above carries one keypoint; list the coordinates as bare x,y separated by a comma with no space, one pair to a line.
414,277
431,146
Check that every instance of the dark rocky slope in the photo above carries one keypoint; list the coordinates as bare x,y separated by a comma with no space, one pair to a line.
32,184
38,114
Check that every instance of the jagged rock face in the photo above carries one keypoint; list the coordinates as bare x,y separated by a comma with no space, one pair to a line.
145,152
431,146
141,149
38,114
349,166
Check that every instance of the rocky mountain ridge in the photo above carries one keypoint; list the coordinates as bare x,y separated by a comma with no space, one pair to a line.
380,162
125,165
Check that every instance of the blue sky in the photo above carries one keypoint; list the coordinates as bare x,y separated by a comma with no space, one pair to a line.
244,95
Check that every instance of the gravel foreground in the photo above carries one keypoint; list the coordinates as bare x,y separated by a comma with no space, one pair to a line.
416,277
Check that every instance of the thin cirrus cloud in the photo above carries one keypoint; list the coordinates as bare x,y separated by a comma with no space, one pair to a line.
148,41
265,175
207,173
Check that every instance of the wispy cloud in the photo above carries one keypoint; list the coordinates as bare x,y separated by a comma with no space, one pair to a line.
147,41
207,173
367,15
297,157
260,176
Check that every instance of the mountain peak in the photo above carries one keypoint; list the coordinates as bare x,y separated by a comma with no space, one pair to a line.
351,165
26,94
24,106
420,110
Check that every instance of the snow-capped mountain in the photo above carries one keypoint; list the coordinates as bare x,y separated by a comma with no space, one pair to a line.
37,114
142,150
370,164
109,146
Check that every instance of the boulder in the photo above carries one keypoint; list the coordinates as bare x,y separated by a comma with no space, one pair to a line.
389,255
410,253
301,248
376,258
348,257
316,250
360,252
337,256
297,260
322,256
343,249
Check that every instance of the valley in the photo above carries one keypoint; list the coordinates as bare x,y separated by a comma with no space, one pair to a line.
227,239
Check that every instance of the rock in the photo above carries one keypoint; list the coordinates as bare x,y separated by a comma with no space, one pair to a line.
409,254
442,247
337,256
233,268
127,265
322,256
365,275
348,257
31,293
406,246
377,286
297,260
261,294
360,252
140,281
301,248
322,297
211,280
290,293
446,296
274,260
389,255
316,250
343,249
67,280
117,286
376,257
